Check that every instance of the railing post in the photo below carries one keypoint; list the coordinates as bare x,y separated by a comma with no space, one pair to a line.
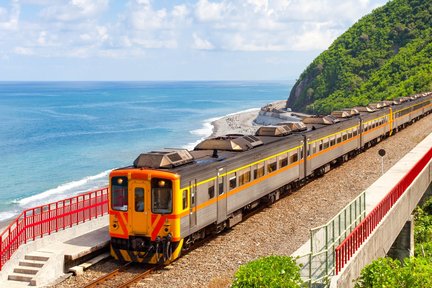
56,216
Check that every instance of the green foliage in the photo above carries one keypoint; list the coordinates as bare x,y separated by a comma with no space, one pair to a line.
386,272
380,273
272,271
384,55
423,226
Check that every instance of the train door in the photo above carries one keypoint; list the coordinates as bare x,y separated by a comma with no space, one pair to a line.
193,203
141,205
303,154
221,195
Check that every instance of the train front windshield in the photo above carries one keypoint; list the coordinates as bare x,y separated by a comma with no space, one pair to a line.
119,193
162,198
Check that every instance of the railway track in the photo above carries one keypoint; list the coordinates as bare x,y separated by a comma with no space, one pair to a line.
116,278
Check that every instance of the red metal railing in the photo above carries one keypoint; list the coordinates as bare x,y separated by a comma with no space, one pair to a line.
350,245
43,220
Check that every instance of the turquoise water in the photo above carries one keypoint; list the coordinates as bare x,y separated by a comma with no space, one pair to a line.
62,138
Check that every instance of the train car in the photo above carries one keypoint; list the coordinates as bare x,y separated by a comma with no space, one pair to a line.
375,126
169,199
330,143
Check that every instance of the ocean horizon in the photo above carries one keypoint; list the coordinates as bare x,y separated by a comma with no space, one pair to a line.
60,139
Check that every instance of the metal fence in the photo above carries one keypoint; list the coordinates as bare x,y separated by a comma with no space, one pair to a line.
350,245
36,222
319,264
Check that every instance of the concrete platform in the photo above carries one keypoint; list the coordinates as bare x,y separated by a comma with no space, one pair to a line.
43,261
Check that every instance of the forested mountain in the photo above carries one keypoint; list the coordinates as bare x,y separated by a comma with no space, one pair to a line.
386,54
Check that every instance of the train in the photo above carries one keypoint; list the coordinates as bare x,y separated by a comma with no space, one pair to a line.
171,198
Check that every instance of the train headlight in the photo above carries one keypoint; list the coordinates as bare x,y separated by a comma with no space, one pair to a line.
119,181
161,183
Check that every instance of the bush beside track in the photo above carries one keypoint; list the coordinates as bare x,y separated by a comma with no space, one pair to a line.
271,271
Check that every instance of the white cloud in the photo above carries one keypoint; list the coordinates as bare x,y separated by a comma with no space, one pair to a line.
314,36
9,17
23,51
89,28
74,10
42,38
201,44
278,25
211,11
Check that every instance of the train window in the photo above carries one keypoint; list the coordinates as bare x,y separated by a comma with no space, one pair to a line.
259,170
245,176
325,144
119,193
139,199
211,190
344,136
161,196
301,153
338,138
293,157
185,202
271,165
332,141
232,181
192,197
314,148
283,160
350,134
221,185
355,131
320,146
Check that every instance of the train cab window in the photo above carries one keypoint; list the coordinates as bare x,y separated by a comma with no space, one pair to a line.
162,200
271,165
139,199
232,181
211,190
259,170
185,203
119,193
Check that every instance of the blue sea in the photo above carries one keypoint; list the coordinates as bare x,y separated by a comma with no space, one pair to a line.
58,139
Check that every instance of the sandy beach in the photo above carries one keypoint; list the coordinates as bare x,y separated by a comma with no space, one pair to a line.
238,123
247,122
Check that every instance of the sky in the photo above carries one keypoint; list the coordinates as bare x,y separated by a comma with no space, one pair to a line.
149,40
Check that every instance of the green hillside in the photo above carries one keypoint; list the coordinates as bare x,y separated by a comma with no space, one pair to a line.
386,54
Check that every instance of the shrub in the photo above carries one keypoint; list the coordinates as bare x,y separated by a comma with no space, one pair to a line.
272,271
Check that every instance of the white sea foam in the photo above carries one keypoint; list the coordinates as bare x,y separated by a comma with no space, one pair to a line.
7,215
66,190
